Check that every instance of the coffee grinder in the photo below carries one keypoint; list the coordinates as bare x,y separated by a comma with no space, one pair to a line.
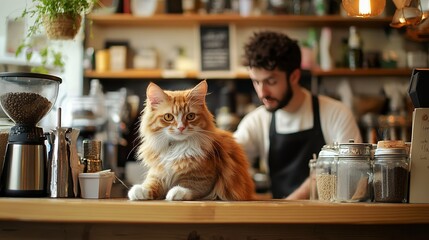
26,98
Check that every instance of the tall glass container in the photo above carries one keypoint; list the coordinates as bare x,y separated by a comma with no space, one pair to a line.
353,172
391,172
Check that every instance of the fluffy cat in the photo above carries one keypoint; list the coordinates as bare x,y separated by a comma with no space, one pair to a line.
188,158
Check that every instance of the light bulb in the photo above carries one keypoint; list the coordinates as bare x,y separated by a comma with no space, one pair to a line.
364,8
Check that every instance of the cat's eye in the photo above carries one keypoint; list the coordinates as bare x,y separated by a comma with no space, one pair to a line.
190,116
168,117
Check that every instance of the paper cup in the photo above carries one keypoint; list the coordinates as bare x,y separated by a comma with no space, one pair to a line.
96,185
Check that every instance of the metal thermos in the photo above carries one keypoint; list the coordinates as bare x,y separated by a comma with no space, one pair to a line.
24,169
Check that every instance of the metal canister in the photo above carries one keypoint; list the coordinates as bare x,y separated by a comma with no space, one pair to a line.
354,172
391,173
326,169
92,156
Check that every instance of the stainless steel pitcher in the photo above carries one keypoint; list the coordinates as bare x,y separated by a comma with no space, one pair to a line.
63,163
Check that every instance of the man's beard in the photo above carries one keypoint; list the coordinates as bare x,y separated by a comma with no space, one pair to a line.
286,98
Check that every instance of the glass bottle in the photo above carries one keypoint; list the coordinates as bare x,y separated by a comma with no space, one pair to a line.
354,173
344,53
355,49
326,61
313,186
391,173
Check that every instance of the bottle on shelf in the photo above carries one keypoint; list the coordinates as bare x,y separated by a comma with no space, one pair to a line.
309,50
344,62
326,61
355,49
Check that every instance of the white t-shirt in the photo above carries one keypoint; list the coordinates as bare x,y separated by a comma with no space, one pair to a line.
337,122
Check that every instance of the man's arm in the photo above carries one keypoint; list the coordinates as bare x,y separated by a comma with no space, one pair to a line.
303,192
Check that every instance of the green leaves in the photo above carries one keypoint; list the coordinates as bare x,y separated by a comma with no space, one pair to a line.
72,7
51,9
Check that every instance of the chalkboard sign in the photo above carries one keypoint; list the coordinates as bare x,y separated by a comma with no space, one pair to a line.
215,48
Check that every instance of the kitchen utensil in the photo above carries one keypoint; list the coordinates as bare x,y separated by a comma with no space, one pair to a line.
26,98
63,163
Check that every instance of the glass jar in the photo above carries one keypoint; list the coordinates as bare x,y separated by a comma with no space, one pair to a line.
353,172
391,172
313,186
326,172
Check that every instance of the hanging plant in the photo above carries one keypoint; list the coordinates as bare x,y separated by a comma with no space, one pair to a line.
62,27
58,20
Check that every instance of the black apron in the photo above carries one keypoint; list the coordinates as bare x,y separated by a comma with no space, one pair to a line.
289,154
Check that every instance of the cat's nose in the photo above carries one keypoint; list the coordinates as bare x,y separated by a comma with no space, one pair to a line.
181,128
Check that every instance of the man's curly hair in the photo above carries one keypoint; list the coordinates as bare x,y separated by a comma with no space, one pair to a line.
270,50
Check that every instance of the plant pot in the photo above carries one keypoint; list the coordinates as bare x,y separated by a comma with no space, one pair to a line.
62,27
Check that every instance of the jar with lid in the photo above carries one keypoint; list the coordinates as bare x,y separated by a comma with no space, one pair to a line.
354,172
326,172
391,172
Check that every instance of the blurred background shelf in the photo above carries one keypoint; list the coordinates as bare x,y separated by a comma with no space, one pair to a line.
345,72
300,21
158,73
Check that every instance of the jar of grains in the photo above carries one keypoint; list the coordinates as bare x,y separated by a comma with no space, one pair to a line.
353,172
326,172
390,181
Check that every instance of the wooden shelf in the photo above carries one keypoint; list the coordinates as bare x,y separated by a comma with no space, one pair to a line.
341,72
132,74
345,72
159,74
294,21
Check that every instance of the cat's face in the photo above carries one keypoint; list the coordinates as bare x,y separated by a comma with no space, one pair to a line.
177,114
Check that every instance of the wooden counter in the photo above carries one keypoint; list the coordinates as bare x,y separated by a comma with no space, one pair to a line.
33,218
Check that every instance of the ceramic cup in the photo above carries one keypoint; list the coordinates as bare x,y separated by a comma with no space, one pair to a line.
143,7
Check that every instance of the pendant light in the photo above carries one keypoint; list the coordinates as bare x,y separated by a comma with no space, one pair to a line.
364,8
407,16
408,13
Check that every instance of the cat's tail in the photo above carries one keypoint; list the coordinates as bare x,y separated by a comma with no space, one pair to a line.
234,181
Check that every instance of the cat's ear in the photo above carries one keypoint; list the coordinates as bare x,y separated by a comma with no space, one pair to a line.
155,94
199,92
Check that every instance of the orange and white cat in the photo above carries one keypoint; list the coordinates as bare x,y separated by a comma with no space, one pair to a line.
187,156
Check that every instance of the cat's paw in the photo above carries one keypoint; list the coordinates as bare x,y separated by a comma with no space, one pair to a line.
179,193
138,192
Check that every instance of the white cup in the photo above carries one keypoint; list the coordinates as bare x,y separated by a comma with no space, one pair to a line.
143,7
245,7
96,185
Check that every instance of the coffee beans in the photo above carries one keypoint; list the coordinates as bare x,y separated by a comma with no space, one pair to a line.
390,184
25,107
